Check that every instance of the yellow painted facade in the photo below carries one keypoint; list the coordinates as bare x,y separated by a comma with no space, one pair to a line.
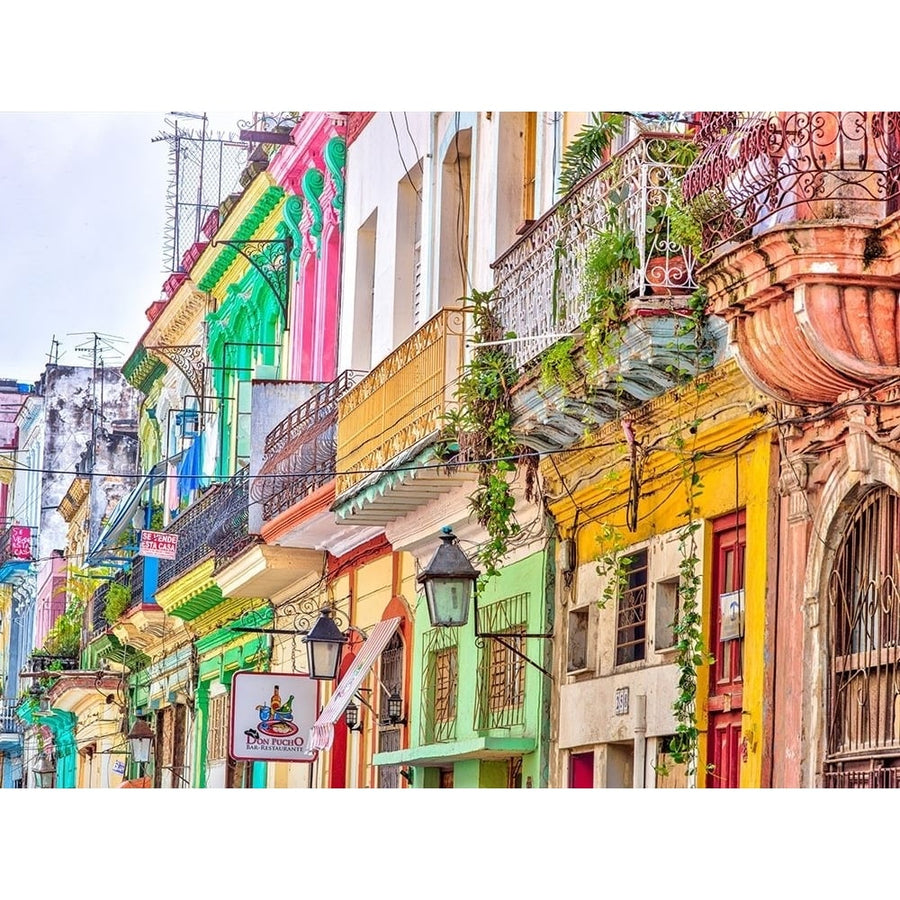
589,489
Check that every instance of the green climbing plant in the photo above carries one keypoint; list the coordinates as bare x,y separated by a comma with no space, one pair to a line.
612,564
482,429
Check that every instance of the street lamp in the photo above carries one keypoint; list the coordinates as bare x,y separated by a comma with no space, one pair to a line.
324,644
45,772
139,740
449,580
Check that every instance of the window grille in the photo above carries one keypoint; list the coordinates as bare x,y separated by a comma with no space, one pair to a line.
500,698
440,685
863,717
391,673
631,619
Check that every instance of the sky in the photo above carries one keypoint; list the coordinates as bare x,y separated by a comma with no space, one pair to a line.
82,217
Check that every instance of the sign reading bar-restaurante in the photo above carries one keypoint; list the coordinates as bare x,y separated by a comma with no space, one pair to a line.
160,544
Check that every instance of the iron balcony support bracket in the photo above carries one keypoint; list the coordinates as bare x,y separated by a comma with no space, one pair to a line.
282,292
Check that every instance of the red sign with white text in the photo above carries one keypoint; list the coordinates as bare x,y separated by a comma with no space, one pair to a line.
160,544
20,542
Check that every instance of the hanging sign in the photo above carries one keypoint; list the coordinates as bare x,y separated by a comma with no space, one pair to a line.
20,542
731,616
272,714
160,544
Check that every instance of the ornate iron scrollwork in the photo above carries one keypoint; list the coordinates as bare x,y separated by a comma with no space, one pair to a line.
187,358
273,263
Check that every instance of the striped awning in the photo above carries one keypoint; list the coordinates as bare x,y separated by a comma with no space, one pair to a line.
322,733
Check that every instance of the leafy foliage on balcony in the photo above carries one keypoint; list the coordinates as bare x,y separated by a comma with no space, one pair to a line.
586,152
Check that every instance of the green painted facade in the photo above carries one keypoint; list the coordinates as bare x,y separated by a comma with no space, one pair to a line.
481,713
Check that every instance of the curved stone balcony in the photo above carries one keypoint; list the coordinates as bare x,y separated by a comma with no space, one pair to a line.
813,307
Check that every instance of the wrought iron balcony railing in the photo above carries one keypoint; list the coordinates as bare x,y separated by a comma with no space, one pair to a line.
300,451
9,721
215,526
136,583
538,281
401,401
230,536
761,169
95,620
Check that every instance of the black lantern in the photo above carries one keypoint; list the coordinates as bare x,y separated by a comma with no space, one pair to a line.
324,644
140,738
449,580
45,772
395,709
351,717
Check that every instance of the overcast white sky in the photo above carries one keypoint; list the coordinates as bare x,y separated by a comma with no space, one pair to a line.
82,215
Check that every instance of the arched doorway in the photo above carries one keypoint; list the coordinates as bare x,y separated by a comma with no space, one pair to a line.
862,716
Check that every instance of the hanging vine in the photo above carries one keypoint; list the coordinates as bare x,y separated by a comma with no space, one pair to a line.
481,428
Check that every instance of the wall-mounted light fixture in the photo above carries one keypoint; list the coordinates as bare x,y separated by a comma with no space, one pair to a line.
324,645
45,772
351,717
449,582
140,739
395,709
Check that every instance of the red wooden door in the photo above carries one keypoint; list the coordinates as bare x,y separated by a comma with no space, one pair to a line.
726,685
581,770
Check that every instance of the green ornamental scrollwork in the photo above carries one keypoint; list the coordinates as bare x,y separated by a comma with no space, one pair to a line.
313,184
293,213
335,159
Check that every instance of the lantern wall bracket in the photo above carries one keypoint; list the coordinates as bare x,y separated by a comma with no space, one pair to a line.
505,638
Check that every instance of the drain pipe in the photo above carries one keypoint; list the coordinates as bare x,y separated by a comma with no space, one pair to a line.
640,741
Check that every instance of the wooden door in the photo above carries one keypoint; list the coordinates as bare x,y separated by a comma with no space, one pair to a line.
726,684
581,770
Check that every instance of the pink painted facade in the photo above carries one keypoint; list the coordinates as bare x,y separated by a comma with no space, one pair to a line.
311,171
51,597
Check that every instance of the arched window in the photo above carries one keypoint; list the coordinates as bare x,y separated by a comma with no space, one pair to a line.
863,706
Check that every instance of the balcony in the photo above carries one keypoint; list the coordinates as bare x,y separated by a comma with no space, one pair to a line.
10,727
392,417
215,527
538,280
540,297
758,170
798,219
300,451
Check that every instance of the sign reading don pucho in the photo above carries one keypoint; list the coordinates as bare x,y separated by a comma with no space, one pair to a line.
272,714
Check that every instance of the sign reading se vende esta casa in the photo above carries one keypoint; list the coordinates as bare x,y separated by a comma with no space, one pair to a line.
160,544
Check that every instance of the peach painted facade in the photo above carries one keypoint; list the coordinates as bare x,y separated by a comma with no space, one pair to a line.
805,268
